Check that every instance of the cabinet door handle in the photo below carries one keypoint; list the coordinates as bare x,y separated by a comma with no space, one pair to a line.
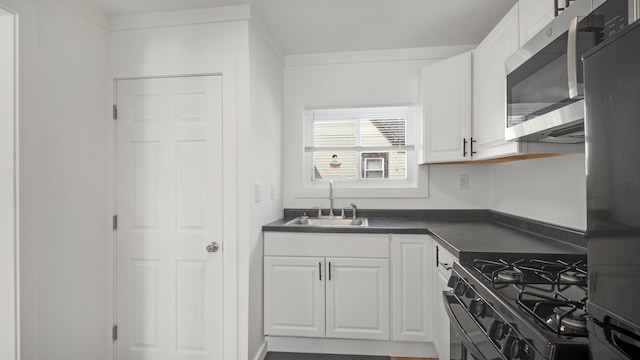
320,270
445,265
329,270
471,144
464,147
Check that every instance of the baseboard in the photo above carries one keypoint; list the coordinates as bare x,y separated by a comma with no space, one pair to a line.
351,347
262,352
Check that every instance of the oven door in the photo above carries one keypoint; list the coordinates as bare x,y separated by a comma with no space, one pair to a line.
468,340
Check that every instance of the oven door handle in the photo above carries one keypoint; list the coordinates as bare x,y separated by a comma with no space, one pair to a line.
629,346
449,298
576,88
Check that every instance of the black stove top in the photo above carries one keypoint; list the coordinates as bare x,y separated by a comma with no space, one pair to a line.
552,292
530,307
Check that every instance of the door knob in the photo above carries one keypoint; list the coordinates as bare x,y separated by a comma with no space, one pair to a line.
213,247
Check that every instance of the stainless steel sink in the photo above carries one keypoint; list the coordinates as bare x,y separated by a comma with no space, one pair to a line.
327,222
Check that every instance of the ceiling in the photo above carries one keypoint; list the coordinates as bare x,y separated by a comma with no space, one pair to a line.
316,26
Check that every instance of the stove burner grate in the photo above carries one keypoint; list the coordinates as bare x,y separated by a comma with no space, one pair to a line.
559,314
534,271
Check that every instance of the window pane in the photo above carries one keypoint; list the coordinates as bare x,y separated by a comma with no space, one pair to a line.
334,133
397,168
382,132
341,167
373,164
377,174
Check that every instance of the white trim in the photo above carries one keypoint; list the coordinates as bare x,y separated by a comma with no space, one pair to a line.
346,57
184,17
227,67
414,186
356,347
262,351
9,229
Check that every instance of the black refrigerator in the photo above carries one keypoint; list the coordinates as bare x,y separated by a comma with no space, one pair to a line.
612,125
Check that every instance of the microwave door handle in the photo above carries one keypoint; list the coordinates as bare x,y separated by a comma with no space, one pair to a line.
575,88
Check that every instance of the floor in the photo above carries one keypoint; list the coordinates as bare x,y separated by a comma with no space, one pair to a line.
272,355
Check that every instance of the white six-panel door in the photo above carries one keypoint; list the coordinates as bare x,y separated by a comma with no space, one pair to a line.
169,207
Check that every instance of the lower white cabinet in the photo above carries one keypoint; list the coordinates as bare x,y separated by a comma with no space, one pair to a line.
294,296
342,293
412,263
350,286
357,298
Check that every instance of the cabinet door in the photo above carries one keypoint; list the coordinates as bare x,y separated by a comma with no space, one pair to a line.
489,90
446,106
294,296
412,284
534,15
357,298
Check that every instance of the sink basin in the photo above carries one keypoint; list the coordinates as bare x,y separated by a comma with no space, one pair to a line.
327,222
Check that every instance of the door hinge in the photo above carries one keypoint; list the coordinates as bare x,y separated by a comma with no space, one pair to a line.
114,332
115,222
115,112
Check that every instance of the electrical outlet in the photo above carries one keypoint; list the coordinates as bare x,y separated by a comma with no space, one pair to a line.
463,182
273,192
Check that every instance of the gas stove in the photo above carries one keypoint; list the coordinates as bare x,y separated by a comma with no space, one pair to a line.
521,306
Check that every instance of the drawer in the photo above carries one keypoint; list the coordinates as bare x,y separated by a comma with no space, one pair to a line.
326,244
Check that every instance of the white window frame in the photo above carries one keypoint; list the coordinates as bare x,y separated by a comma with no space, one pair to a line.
413,186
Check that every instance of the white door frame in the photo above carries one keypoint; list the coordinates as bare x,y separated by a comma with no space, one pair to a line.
226,67
9,248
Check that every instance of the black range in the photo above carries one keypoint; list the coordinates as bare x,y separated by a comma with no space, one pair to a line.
515,294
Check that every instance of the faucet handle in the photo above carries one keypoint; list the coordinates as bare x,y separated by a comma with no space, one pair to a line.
355,210
319,210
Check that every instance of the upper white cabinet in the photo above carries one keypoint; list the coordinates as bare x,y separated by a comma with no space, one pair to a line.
446,104
489,90
534,16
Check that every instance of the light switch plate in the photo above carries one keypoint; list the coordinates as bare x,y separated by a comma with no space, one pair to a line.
257,192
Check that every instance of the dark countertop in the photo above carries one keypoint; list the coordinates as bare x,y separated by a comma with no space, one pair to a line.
467,235
466,239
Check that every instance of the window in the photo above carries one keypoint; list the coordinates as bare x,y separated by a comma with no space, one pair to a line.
372,144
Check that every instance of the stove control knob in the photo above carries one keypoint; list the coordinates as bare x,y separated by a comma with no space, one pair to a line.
478,307
516,349
460,289
471,292
453,280
498,330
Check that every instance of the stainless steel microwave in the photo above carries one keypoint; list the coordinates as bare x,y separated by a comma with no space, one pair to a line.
544,77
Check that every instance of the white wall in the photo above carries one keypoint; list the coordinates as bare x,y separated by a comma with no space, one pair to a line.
552,190
73,202
369,78
8,230
265,141
62,150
